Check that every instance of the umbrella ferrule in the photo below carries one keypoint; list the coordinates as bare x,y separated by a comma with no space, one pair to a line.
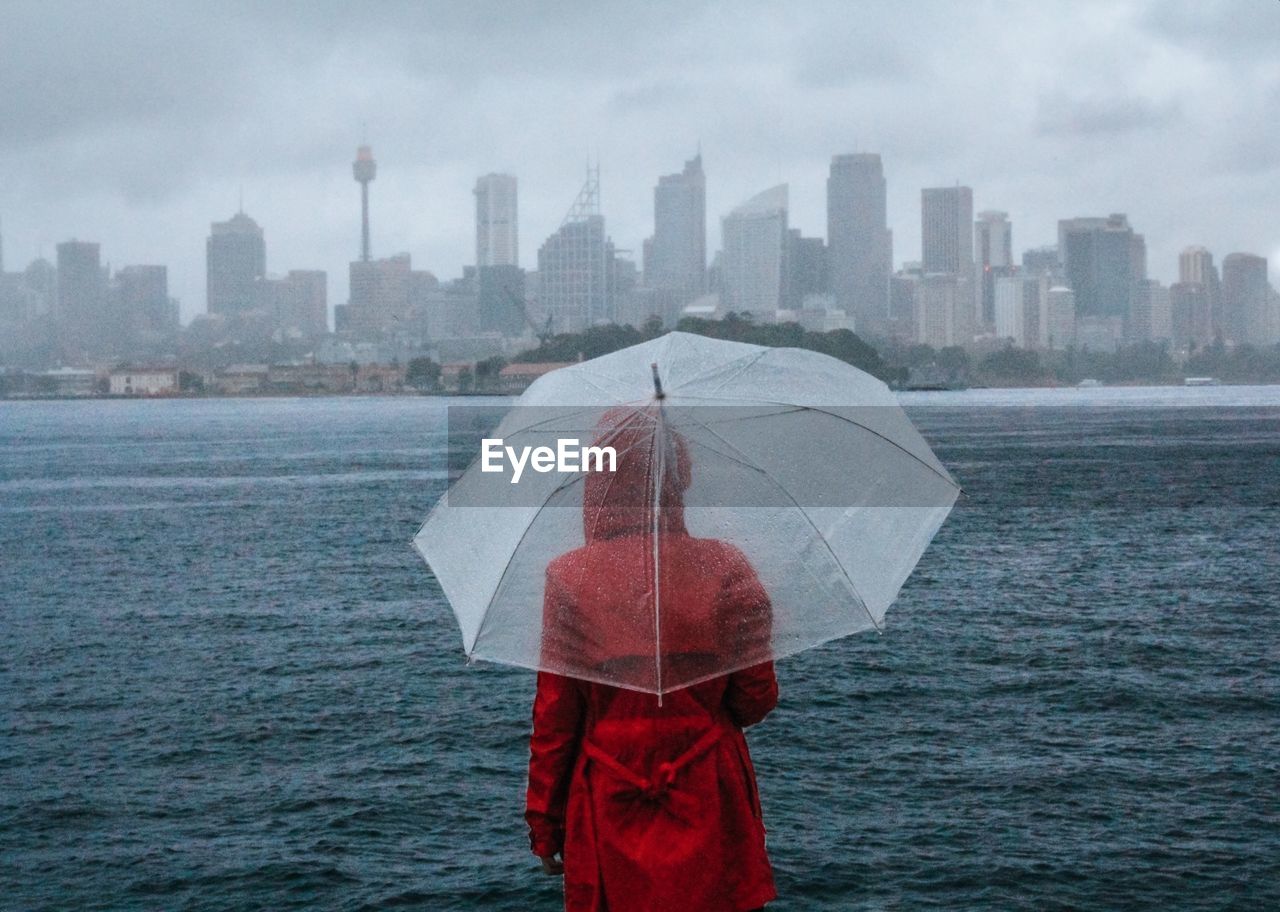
657,382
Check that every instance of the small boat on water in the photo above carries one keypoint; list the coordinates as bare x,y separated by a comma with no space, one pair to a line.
1200,381
1089,383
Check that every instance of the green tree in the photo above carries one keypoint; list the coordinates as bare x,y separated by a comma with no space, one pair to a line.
422,374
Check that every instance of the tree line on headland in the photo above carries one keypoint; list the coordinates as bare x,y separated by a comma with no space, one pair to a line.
900,365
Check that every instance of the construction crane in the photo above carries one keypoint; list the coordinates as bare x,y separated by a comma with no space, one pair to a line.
523,306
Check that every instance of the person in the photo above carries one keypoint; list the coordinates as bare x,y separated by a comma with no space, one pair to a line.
641,803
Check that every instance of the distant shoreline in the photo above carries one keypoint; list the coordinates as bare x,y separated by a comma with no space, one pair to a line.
99,397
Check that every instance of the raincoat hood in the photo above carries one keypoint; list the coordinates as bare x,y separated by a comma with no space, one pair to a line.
621,503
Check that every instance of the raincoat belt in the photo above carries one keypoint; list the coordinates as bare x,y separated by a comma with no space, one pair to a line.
660,787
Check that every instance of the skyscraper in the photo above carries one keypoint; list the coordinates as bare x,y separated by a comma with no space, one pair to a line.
753,262
235,258
575,265
947,230
1245,298
82,300
379,297
676,256
860,245
993,246
144,310
497,236
1104,263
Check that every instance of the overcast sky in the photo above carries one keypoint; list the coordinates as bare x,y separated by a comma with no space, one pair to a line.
136,124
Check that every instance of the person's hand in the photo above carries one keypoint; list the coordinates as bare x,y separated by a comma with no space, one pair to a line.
551,865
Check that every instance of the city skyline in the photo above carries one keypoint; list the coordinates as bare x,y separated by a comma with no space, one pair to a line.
1164,112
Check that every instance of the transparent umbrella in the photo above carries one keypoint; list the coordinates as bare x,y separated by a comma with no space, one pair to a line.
699,506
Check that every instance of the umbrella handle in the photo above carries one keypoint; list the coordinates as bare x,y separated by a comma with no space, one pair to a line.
657,382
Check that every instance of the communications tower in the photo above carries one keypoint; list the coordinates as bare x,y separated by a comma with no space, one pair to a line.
364,169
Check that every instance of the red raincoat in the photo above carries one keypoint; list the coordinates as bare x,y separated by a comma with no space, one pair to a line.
654,807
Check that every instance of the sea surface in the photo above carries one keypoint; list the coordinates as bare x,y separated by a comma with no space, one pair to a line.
227,682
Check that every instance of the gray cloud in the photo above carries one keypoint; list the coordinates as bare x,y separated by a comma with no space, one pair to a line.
136,123
1059,115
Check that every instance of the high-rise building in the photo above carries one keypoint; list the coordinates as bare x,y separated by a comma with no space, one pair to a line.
1196,267
860,245
941,299
235,259
1149,319
753,262
296,305
81,283
497,236
947,230
1039,260
83,324
1104,262
1244,299
1190,315
806,275
675,258
1058,327
145,313
379,296
575,266
993,247
1017,309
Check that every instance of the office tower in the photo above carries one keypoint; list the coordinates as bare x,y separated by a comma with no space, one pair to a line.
1190,315
1103,262
1244,298
993,248
575,266
805,278
1017,309
860,245
943,303
675,258
947,232
1196,267
82,318
379,296
1058,326
902,305
296,305
364,169
753,258
1149,320
1038,260
80,280
235,258
497,237
146,313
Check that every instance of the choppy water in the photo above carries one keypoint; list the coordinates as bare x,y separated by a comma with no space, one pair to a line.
227,683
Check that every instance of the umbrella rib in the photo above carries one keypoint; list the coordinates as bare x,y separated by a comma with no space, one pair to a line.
858,424
573,479
751,359
660,446
822,538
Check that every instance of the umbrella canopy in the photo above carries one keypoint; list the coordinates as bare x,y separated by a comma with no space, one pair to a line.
758,501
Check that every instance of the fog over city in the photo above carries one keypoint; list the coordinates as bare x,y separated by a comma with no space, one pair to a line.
136,125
